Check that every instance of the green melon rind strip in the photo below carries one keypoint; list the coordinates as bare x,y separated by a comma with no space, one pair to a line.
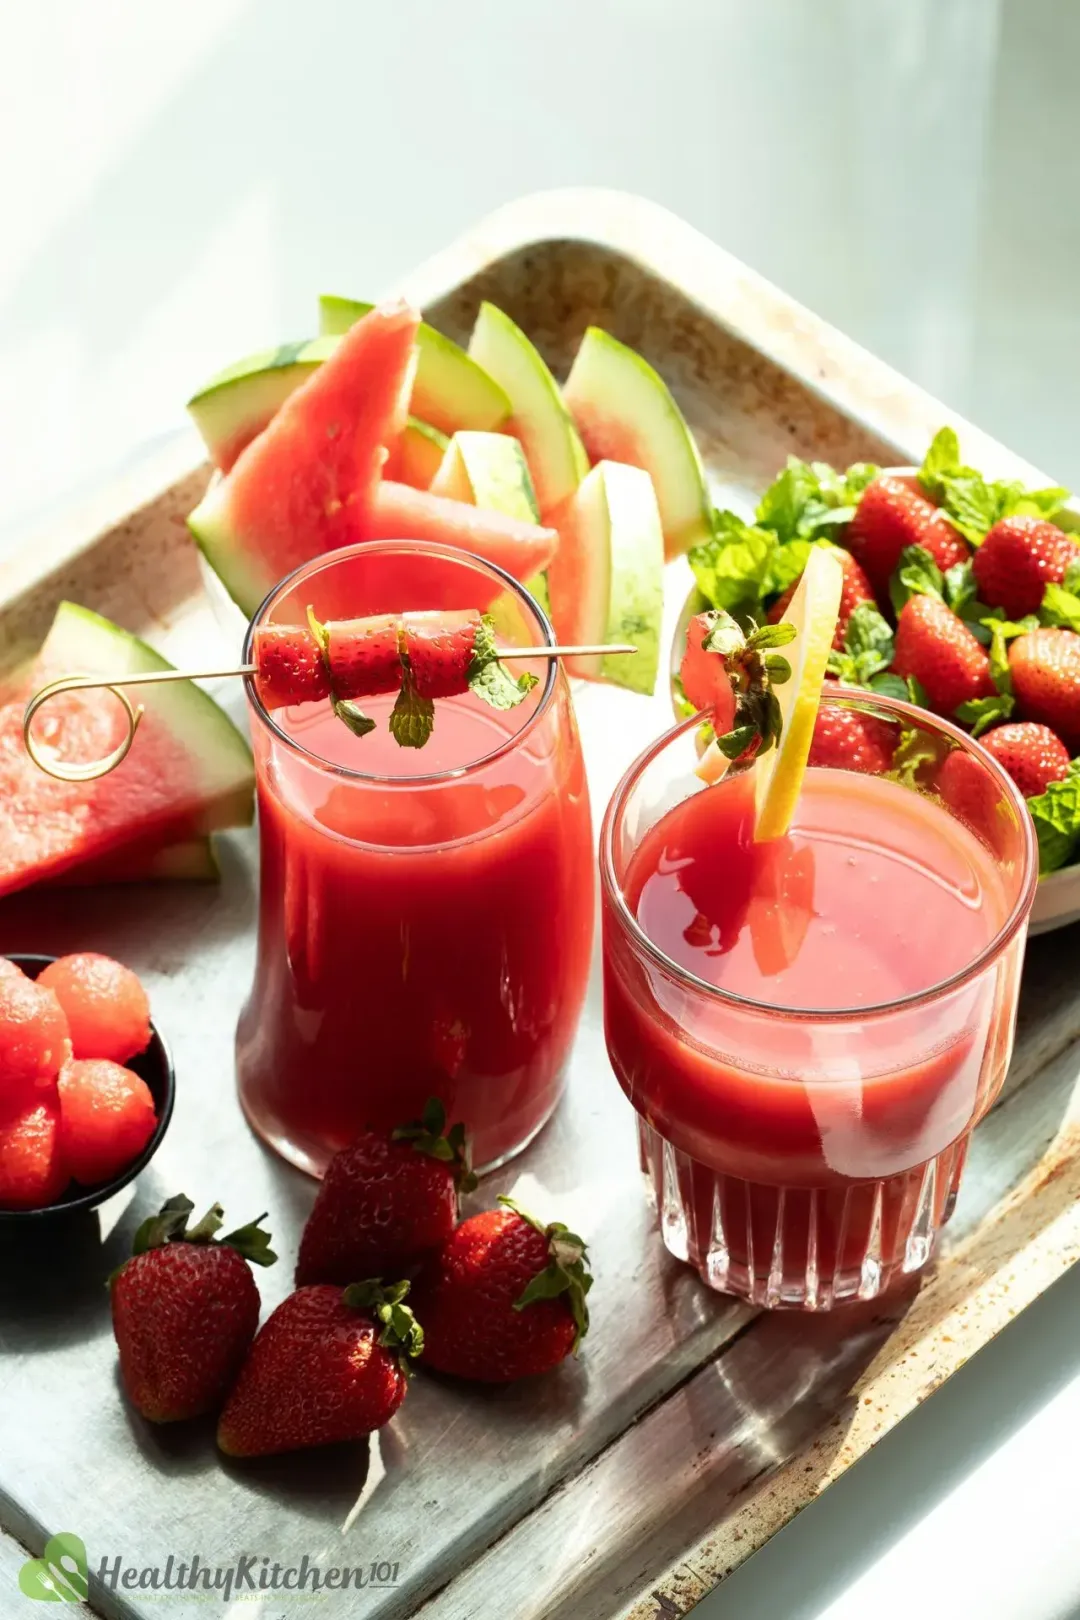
83,642
613,379
451,389
555,453
237,564
636,601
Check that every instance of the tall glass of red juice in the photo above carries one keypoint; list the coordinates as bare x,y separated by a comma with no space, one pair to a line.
809,1029
425,915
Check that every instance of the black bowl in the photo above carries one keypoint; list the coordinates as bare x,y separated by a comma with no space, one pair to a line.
155,1066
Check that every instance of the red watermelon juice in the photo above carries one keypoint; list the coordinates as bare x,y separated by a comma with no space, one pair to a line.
810,1028
426,915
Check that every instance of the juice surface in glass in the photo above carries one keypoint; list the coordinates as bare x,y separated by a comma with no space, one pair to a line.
426,915
776,1013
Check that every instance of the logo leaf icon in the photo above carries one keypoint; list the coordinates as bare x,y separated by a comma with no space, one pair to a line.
61,1576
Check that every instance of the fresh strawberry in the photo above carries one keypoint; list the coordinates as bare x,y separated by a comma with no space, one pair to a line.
730,674
385,1201
504,1297
852,741
1031,754
1018,559
1045,669
939,650
364,655
705,680
440,649
289,664
329,1365
856,589
892,514
969,791
107,1117
185,1310
32,1169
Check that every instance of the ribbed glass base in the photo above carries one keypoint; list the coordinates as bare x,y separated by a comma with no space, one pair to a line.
795,1247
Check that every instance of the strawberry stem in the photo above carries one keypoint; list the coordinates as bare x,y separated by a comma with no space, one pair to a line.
170,1225
429,1135
565,1273
401,1331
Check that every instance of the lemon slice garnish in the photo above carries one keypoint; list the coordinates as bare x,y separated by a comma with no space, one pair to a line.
813,610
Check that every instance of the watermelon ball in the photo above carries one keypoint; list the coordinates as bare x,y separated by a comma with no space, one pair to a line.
105,1003
34,1040
32,1169
106,1119
10,970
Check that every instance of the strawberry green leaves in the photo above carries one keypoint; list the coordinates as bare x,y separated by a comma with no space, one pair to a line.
1056,814
868,648
973,503
400,1330
170,1225
754,667
429,1135
565,1273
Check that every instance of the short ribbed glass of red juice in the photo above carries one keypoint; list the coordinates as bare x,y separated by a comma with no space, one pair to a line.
425,915
809,1029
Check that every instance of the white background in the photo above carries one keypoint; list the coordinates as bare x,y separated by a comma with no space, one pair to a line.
180,178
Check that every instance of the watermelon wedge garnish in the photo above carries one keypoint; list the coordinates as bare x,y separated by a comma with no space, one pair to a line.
398,512
190,772
305,484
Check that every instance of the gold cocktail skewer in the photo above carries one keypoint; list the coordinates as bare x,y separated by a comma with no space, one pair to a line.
90,771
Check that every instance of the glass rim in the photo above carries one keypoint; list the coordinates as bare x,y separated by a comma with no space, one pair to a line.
895,708
412,548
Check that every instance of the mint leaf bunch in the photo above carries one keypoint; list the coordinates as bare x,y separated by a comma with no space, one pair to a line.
972,503
1056,814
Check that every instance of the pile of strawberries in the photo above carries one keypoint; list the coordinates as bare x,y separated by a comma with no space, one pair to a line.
959,594
69,1108
495,1297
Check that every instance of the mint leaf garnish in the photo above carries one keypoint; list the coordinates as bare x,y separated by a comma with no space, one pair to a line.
810,499
489,678
354,717
1060,606
982,713
730,566
1056,814
412,718
868,648
972,503
916,574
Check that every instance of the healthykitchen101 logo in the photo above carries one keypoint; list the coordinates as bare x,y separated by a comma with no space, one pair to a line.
61,1575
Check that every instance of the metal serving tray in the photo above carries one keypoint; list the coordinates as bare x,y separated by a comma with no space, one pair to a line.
631,1482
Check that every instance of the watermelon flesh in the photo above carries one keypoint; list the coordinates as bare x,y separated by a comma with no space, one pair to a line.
401,513
188,772
304,485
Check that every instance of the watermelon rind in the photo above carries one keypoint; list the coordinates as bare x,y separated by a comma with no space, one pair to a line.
234,406
490,470
239,569
553,449
450,390
626,412
192,861
83,642
607,580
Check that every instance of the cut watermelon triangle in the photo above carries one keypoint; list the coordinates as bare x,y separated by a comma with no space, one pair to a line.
303,486
189,770
401,513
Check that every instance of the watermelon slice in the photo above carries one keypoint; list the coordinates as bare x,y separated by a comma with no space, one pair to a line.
607,581
419,453
401,513
302,486
450,391
234,407
625,412
193,861
541,420
189,770
490,470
